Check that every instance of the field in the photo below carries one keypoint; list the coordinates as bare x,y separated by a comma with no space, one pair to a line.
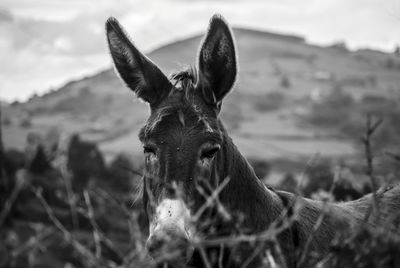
298,113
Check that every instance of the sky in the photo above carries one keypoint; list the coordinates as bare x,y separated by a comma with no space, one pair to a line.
45,43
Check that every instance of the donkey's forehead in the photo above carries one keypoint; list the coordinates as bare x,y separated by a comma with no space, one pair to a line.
186,117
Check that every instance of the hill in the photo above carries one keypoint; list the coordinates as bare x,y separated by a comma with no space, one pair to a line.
281,80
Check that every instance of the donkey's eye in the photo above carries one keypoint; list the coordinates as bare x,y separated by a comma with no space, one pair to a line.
149,150
210,152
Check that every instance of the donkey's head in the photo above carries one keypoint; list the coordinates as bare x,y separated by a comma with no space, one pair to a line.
183,137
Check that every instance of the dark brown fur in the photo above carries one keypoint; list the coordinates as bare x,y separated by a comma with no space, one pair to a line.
184,119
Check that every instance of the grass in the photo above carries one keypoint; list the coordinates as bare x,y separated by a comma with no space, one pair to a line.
45,222
264,59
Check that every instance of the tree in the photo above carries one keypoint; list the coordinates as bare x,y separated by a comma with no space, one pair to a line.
84,161
397,50
285,82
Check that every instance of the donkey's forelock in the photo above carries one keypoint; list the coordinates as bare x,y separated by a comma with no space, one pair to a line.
184,103
187,78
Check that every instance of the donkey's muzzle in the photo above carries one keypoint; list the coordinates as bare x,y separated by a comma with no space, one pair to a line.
170,246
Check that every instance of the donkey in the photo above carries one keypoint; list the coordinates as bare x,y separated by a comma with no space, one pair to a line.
205,205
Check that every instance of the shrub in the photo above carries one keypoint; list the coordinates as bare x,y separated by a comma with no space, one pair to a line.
366,247
288,183
14,103
332,109
122,174
319,177
6,121
26,122
340,46
285,82
85,162
389,63
271,101
261,167
397,51
40,162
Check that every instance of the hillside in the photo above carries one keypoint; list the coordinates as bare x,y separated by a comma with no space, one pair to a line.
281,79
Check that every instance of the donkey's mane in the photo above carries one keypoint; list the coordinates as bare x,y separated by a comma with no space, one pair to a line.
185,77
185,80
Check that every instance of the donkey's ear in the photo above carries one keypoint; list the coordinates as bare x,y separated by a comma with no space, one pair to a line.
217,60
136,70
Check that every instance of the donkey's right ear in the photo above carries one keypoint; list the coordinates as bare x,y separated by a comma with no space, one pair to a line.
137,71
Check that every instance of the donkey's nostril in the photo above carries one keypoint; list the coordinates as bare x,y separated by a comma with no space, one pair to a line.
154,244
167,246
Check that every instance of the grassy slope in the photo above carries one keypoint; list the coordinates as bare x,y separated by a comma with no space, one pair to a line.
103,110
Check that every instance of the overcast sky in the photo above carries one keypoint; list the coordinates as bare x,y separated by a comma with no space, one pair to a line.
44,43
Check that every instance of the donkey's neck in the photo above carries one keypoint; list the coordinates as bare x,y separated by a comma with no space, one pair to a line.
245,193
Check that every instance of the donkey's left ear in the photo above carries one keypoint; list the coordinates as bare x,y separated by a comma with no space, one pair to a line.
217,60
137,71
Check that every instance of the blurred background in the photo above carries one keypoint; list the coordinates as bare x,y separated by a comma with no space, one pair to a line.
312,73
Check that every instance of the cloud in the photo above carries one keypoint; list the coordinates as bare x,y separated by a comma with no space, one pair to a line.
45,42
42,54
63,44
5,15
